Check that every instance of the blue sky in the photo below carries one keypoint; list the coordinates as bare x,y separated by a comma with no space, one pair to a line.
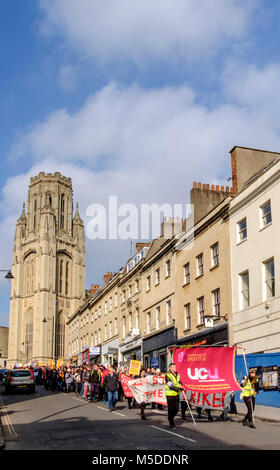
135,99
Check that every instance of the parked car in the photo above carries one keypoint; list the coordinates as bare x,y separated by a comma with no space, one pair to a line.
19,379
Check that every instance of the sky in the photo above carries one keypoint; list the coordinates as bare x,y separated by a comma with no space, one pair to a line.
130,99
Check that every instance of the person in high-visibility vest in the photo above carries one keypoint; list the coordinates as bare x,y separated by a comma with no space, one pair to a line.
250,387
173,387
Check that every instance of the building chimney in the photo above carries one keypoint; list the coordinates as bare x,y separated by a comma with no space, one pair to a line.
139,246
247,162
93,288
107,277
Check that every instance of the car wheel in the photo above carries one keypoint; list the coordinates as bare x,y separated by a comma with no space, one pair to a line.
7,391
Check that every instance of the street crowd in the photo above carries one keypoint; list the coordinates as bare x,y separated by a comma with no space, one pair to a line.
97,383
101,383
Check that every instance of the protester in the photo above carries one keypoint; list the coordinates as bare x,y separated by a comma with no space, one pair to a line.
173,388
95,380
232,409
183,405
68,380
103,390
250,387
208,411
111,383
142,405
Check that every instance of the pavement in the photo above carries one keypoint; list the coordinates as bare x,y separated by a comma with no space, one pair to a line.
263,413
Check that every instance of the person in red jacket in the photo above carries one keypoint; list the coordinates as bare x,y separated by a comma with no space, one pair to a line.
103,391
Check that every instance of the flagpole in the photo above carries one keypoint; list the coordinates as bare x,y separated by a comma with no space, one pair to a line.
185,397
246,367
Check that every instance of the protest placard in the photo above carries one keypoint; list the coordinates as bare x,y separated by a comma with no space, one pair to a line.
134,368
149,389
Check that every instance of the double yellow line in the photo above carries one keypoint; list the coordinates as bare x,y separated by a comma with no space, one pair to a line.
6,420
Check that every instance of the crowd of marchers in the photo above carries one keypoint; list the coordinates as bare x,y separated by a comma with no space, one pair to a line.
104,384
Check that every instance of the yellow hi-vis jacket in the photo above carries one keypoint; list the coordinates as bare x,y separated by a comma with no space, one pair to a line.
175,381
249,389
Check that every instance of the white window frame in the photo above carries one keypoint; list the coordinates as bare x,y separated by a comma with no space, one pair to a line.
199,266
158,318
246,303
215,255
157,276
148,287
187,274
148,322
201,312
188,319
168,268
240,231
267,290
216,294
263,223
168,312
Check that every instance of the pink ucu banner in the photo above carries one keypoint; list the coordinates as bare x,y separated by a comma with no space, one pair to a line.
208,370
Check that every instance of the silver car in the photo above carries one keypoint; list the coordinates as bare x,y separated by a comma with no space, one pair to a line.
19,379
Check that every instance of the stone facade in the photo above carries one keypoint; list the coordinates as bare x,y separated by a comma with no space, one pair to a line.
4,337
255,255
48,269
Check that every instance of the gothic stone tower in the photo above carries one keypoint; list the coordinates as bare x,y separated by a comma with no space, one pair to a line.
48,270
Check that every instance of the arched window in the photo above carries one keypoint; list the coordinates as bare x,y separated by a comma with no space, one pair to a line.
67,278
29,273
60,276
62,210
35,212
49,199
59,335
29,335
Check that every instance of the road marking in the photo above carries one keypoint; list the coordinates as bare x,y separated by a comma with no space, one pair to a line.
159,412
106,409
118,413
174,434
80,400
7,420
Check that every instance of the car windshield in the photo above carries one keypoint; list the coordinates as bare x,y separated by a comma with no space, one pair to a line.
20,373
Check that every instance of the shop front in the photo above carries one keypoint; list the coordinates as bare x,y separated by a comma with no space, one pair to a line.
110,352
131,349
218,335
156,349
95,355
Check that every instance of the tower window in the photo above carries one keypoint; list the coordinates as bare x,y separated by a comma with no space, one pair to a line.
35,212
62,211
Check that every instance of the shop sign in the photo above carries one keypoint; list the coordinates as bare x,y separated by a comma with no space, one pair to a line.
94,351
112,350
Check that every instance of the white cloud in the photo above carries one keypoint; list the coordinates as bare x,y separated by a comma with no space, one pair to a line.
253,87
144,30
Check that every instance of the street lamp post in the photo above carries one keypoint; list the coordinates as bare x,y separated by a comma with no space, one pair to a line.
44,321
8,275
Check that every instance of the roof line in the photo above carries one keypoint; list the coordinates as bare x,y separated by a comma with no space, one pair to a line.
256,150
